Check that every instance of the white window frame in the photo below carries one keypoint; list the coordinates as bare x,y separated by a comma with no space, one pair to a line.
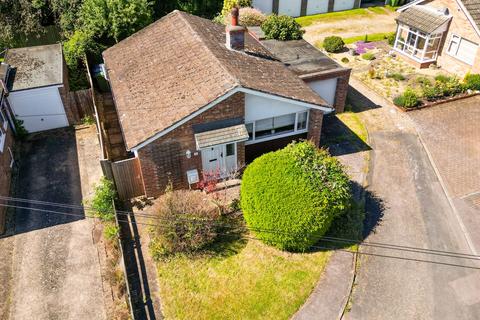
411,50
458,41
295,131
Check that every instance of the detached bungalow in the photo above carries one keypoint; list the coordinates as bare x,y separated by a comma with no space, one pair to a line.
445,32
193,97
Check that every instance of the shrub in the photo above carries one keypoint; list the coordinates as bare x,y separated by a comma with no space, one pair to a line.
102,201
333,44
111,231
408,99
189,222
442,78
281,28
396,76
451,86
290,197
20,131
432,93
368,56
88,120
472,81
391,38
249,17
345,60
423,81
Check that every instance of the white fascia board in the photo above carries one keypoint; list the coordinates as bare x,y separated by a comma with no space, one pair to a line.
230,93
469,17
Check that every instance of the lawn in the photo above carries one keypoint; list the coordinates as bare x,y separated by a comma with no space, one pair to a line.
370,37
353,122
250,281
341,15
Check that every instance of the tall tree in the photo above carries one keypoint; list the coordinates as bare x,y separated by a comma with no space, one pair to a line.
127,17
18,17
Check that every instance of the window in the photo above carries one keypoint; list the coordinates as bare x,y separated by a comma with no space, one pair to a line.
230,149
302,120
3,130
280,125
462,49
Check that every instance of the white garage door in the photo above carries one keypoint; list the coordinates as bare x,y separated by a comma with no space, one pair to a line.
340,5
325,89
40,109
265,6
290,7
317,6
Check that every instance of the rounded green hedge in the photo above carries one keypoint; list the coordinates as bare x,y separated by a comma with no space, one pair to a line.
333,44
290,197
282,28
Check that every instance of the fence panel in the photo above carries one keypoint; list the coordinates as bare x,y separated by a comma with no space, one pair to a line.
128,178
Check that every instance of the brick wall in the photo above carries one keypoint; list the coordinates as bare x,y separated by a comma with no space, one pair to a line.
315,126
5,173
165,159
462,27
64,94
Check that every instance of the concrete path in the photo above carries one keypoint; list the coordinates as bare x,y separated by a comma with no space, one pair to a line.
55,270
407,197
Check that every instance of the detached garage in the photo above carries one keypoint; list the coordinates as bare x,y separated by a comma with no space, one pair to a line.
38,86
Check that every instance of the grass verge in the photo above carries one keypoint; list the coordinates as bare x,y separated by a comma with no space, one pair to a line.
370,37
341,15
252,281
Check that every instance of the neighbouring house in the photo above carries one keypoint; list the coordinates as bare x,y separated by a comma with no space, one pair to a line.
38,85
7,127
297,8
444,32
193,97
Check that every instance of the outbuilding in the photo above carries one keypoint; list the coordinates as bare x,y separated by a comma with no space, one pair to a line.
38,87
297,8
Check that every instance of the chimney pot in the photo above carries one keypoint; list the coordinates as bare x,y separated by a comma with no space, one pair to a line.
235,13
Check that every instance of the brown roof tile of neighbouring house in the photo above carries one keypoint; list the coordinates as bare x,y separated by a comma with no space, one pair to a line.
423,18
473,8
177,65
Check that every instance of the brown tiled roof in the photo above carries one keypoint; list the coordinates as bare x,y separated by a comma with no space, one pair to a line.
473,8
179,64
423,18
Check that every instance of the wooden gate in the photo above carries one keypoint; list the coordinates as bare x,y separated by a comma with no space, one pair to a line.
128,178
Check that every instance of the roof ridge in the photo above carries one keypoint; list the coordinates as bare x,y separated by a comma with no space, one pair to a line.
182,14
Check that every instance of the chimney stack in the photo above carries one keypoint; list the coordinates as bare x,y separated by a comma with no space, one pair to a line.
235,32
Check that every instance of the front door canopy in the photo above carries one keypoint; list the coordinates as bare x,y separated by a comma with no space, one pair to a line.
237,133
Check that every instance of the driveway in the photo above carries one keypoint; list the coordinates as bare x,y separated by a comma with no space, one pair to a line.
55,271
399,280
454,147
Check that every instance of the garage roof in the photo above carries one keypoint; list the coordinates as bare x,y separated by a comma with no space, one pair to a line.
34,67
299,55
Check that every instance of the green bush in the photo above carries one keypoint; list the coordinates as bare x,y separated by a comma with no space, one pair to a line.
472,81
345,60
424,81
333,44
290,197
189,222
282,28
20,132
111,231
368,56
391,38
451,86
432,93
396,76
442,78
408,99
102,201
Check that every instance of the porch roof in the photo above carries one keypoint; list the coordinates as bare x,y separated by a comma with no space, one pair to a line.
423,18
231,134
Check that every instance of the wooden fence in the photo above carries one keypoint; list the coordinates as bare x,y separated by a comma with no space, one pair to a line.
81,104
127,176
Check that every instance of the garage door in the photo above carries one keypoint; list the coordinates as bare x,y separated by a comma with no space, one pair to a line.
40,109
340,5
317,6
325,89
290,7
265,6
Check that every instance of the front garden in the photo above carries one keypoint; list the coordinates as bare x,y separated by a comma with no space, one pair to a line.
384,71
260,257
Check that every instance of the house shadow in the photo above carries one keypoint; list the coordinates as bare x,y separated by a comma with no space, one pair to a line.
357,102
45,173
339,139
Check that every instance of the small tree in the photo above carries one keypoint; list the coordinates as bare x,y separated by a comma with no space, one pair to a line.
187,222
282,28
333,44
290,197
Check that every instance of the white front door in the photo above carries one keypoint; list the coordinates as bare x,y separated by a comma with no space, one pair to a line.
220,160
